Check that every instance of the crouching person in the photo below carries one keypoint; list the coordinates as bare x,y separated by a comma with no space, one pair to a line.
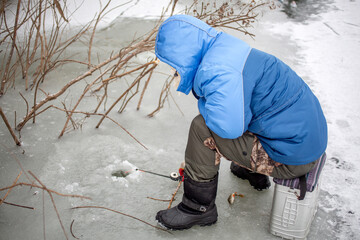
254,111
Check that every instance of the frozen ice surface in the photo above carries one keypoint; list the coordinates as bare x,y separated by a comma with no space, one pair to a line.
319,39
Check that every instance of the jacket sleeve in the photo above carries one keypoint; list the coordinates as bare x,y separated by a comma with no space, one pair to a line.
222,102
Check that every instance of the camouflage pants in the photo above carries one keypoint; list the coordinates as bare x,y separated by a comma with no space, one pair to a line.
205,149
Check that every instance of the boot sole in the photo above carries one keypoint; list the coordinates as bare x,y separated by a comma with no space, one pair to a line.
207,224
184,227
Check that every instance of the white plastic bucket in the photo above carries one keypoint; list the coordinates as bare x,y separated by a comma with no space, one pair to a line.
291,218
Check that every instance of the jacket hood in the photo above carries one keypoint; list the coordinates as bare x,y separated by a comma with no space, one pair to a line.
182,42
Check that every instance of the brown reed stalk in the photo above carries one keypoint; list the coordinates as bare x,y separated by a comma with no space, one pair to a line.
163,96
71,230
16,205
174,194
8,192
16,140
53,202
156,199
5,75
125,92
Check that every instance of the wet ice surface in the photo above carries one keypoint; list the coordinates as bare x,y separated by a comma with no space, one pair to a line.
82,162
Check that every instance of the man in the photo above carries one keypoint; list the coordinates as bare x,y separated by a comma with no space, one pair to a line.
254,111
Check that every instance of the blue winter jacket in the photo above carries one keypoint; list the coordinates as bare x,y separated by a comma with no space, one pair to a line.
242,89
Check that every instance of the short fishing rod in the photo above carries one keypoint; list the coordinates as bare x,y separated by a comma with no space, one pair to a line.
173,176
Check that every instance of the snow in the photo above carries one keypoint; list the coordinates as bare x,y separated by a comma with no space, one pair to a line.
145,9
81,12
319,40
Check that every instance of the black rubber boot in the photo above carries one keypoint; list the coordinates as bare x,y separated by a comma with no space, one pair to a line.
257,180
197,206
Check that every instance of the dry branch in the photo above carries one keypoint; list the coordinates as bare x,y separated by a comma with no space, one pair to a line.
26,102
58,6
9,127
53,202
127,215
4,79
55,95
16,205
126,91
17,161
144,89
93,32
156,199
163,96
71,231
7,193
43,213
99,114
174,194
126,131
41,187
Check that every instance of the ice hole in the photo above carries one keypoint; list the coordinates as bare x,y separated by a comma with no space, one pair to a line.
121,173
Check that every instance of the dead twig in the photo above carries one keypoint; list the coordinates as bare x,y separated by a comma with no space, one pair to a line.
43,213
13,36
143,91
16,140
55,95
26,102
178,107
68,115
58,6
161,200
16,205
126,98
93,32
41,187
127,215
17,161
126,131
53,202
7,193
71,230
163,96
99,114
174,194
124,93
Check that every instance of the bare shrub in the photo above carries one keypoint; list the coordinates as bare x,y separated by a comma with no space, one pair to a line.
42,48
